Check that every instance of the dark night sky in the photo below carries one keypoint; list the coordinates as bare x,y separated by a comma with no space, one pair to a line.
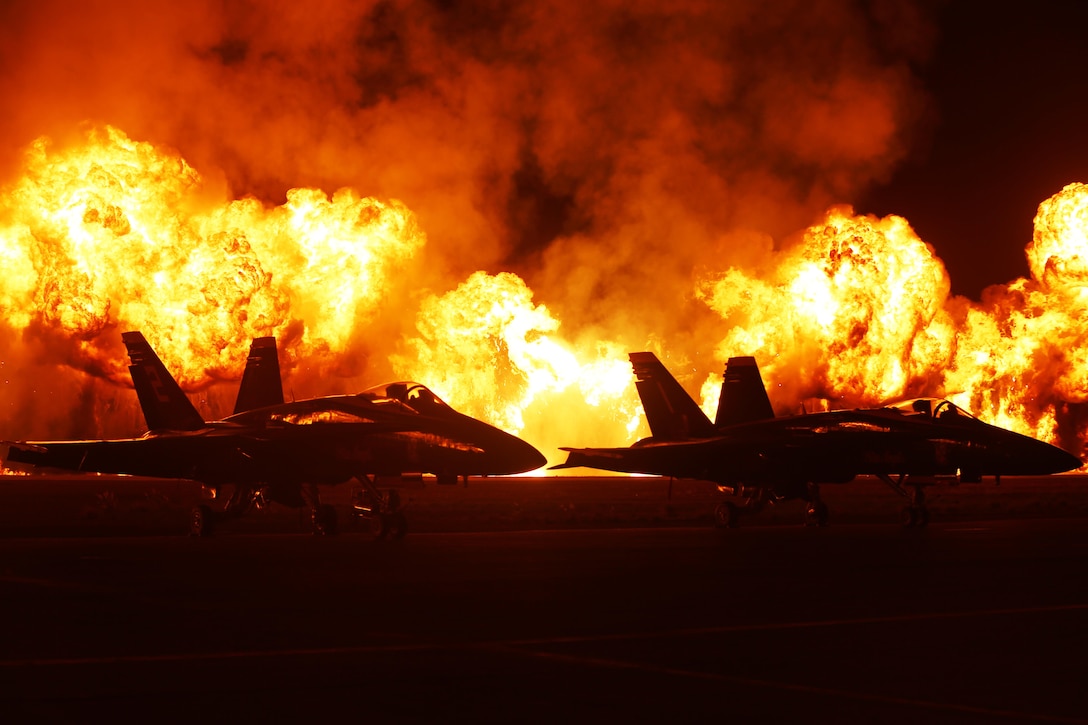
1010,90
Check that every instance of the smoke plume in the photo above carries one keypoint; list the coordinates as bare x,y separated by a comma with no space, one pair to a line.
610,154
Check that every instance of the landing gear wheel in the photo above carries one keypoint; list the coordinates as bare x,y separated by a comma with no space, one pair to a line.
396,526
915,516
324,520
200,521
725,516
816,514
379,526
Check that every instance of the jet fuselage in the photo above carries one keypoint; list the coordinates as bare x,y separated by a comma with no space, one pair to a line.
837,446
324,440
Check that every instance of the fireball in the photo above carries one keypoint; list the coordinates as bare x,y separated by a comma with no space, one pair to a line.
114,235
859,313
854,312
493,353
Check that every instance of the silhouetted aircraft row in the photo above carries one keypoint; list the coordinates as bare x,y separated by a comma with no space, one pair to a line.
269,450
272,451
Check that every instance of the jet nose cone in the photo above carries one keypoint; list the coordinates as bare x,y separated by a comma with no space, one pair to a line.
526,458
1061,461
1027,456
506,454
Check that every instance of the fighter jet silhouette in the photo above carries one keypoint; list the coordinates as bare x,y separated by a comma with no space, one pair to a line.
269,450
759,458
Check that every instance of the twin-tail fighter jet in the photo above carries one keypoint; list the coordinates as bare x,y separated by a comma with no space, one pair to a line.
269,450
759,458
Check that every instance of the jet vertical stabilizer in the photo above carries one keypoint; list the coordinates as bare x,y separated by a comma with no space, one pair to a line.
743,398
164,405
670,411
261,386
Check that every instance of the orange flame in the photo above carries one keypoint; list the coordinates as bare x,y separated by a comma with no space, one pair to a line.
859,313
113,233
1058,252
495,355
1022,355
853,312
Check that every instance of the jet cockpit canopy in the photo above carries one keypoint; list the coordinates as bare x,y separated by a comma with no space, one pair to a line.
936,408
416,396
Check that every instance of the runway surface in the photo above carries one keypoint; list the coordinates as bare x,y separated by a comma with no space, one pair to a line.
976,621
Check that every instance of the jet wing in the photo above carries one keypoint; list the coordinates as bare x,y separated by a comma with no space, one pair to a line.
723,459
680,459
189,457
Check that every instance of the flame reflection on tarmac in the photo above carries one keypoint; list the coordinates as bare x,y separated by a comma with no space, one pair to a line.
858,623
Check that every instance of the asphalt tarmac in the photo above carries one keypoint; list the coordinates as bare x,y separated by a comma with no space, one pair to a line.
977,621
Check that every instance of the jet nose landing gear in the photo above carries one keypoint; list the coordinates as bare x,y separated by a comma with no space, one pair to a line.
915,516
816,513
380,510
753,499
323,520
725,515
815,508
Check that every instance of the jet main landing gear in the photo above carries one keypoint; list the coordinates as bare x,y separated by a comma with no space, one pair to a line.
201,521
753,500
322,515
816,513
725,515
323,519
204,520
915,516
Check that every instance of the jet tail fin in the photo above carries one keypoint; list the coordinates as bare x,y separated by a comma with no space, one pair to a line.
164,405
670,411
261,385
743,398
